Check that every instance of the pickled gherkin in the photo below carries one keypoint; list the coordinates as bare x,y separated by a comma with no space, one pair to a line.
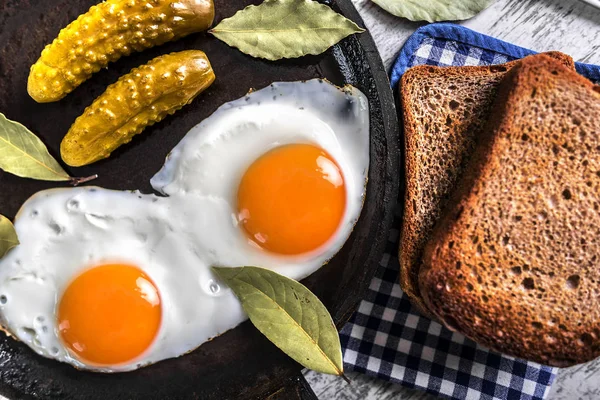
108,31
138,99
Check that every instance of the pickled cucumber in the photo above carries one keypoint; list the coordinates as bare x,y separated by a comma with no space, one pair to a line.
138,99
108,31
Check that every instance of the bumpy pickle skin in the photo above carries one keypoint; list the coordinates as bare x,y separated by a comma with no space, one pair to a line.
138,99
108,31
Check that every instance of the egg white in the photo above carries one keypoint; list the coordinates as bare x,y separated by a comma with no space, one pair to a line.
176,239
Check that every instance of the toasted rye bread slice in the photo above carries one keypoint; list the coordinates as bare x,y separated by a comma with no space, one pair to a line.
444,109
514,261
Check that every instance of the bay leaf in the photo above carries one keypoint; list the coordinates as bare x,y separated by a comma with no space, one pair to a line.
279,29
23,154
434,10
289,315
8,236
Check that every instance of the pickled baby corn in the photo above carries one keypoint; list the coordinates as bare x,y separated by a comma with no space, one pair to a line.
138,99
108,31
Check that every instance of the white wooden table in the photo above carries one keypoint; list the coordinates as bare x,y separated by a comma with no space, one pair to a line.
570,26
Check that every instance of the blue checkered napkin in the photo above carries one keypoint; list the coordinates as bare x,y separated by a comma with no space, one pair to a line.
386,337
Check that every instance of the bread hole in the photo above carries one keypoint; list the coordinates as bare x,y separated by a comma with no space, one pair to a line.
448,121
470,287
566,194
458,265
528,284
438,96
585,163
576,121
470,100
479,251
562,327
587,339
573,282
537,325
454,105
475,239
554,72
518,218
452,87
589,183
533,92
524,137
485,299
505,240
498,68
450,323
451,244
516,270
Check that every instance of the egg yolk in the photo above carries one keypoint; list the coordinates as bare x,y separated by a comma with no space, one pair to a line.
291,200
109,314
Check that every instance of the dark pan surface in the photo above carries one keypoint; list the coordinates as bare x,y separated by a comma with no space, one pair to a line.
240,363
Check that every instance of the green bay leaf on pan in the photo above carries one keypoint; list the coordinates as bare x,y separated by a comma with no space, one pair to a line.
289,315
434,10
8,236
279,29
23,154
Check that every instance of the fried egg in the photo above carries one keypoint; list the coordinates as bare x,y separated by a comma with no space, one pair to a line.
288,165
111,281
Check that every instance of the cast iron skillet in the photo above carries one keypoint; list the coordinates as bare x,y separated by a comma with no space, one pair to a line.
239,364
